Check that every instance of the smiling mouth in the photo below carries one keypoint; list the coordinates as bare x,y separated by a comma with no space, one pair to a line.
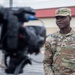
60,23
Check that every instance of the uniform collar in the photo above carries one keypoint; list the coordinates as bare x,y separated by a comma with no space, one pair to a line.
66,35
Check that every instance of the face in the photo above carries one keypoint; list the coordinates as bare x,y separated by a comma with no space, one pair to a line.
63,21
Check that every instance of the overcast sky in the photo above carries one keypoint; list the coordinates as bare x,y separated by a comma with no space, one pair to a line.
18,2
39,4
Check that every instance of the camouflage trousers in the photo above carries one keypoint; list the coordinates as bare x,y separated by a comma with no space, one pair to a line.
60,74
70,74
73,73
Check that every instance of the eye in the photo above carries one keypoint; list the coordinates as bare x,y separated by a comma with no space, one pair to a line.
60,17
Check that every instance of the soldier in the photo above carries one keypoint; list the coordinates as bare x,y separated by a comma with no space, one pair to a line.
59,56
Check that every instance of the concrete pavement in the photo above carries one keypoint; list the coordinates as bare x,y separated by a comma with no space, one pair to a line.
34,69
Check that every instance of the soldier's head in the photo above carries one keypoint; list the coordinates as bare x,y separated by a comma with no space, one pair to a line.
63,17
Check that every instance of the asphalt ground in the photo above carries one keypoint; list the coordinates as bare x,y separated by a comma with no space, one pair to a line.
35,69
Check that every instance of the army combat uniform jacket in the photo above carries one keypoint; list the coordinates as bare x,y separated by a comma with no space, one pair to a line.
59,57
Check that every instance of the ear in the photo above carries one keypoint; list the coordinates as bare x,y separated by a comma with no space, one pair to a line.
70,18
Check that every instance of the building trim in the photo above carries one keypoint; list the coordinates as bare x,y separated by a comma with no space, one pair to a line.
50,12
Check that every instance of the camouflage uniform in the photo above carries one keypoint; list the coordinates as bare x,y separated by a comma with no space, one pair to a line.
60,54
